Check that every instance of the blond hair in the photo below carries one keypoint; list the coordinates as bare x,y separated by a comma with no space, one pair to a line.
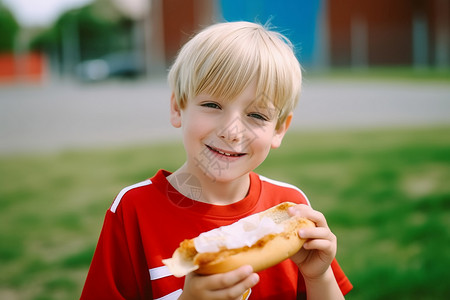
223,59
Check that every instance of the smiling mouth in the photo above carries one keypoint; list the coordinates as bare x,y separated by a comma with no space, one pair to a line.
227,154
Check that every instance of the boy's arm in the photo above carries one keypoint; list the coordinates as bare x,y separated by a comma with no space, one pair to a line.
324,287
315,258
111,274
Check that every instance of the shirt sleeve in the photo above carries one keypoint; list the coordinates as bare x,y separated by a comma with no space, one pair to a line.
344,283
112,274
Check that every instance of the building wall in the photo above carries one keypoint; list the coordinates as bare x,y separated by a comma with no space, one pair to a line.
325,33
386,32
296,19
182,19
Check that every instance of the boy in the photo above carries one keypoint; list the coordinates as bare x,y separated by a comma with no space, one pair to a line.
234,86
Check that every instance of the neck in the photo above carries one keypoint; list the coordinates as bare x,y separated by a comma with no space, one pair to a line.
225,193
212,191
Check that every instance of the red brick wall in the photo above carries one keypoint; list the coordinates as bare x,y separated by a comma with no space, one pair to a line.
182,19
389,27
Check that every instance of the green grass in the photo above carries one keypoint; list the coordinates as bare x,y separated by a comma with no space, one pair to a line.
385,193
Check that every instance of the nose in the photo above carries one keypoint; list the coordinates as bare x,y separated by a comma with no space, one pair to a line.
233,130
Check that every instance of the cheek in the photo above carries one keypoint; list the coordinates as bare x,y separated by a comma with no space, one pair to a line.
262,143
196,128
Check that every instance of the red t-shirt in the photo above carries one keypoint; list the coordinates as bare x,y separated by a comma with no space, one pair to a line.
147,222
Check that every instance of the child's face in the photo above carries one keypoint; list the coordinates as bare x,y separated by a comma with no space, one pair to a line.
225,140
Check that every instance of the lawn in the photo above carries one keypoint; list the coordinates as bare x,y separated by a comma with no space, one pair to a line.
385,193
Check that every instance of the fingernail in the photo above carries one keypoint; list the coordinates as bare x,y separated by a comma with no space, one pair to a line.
301,233
255,278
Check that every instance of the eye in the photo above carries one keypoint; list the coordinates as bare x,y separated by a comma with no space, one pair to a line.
211,105
258,116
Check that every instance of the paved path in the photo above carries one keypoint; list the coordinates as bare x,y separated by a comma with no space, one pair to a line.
55,117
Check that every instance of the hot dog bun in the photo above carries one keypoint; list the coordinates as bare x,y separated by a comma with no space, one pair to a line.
267,251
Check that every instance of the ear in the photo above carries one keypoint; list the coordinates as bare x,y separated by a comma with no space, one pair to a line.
175,112
280,132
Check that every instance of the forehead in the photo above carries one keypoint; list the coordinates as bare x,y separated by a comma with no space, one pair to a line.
250,93
262,100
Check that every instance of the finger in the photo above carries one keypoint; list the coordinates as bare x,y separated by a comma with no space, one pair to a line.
298,209
236,291
226,280
317,244
316,233
322,246
306,211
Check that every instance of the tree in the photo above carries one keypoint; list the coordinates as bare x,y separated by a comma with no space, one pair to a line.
91,31
8,29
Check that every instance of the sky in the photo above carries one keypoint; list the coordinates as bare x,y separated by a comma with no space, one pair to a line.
40,12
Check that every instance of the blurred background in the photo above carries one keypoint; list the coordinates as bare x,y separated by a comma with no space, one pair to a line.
88,40
84,113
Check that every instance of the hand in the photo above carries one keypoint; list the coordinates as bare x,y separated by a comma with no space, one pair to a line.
230,285
317,253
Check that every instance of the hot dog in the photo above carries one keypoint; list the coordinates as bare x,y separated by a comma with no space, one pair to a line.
261,240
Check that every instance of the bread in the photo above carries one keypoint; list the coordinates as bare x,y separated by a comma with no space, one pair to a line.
280,242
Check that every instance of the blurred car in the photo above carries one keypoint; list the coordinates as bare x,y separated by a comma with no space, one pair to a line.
115,65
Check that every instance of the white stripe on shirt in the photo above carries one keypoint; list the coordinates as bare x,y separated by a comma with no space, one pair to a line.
283,184
123,192
159,272
171,296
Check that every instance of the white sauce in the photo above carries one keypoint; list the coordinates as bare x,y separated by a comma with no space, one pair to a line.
245,232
